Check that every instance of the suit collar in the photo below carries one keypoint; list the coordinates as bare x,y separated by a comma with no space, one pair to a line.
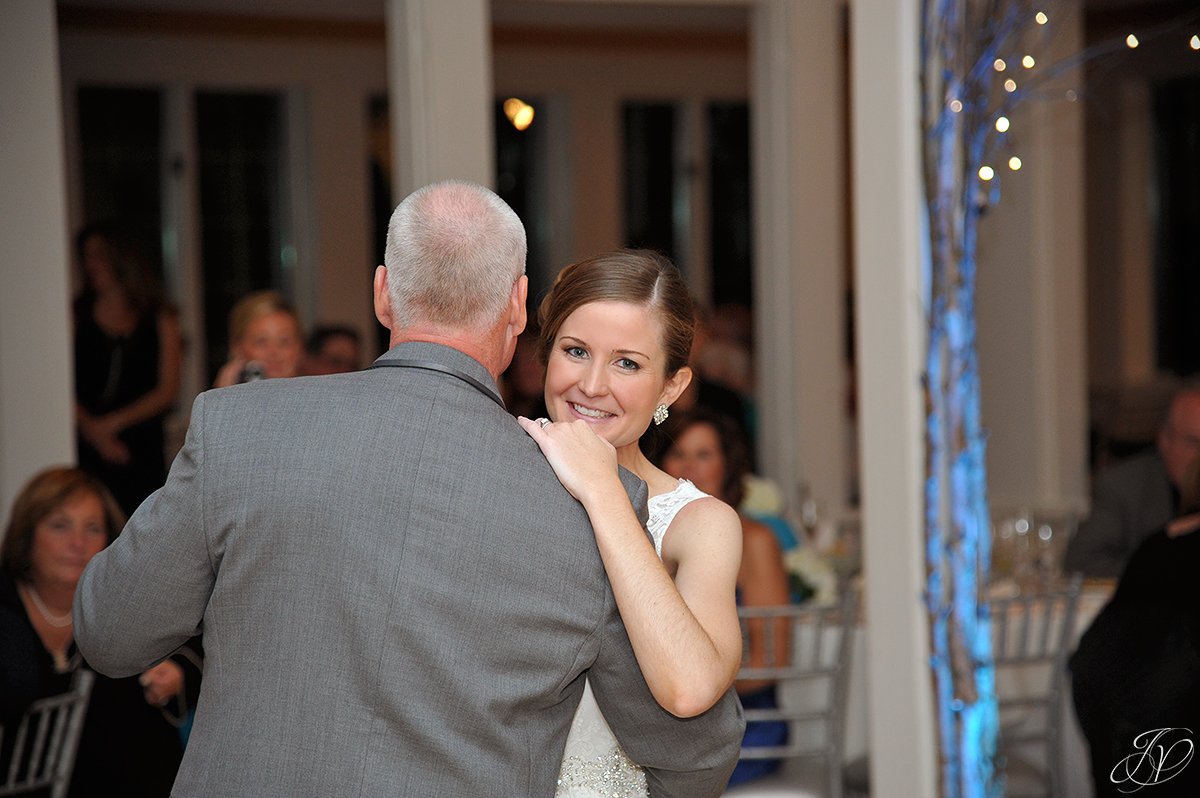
445,356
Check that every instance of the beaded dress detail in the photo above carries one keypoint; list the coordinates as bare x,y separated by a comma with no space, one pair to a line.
594,766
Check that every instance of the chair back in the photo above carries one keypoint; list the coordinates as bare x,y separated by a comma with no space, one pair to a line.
1031,638
806,650
45,740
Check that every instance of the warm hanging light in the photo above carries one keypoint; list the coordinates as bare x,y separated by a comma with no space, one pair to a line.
1041,18
986,173
1002,124
519,112
1195,43
1014,163
956,106
999,65
1131,41
1028,62
1010,85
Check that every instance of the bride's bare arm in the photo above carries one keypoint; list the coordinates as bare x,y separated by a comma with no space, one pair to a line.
684,631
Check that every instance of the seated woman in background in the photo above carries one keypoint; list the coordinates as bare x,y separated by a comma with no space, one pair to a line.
127,364
130,745
1136,672
265,340
709,450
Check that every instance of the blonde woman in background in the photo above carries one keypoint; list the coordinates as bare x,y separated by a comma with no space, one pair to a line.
265,341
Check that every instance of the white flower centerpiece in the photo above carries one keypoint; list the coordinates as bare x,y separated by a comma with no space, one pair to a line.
811,577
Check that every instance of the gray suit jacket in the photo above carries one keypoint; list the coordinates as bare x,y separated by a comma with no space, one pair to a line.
397,598
1130,502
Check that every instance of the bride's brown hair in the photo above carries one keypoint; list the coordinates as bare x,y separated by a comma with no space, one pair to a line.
637,276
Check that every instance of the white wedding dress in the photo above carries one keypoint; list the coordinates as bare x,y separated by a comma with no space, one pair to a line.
593,765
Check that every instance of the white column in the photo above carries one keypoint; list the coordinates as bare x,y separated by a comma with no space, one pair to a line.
35,348
891,341
440,79
181,221
796,84
1031,294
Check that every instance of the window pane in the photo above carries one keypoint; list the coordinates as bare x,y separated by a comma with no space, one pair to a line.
1177,270
729,198
120,134
240,143
521,181
650,176
379,154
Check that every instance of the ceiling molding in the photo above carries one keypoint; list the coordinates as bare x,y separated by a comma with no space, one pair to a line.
74,19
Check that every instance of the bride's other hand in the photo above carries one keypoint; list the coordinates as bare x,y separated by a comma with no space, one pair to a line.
584,462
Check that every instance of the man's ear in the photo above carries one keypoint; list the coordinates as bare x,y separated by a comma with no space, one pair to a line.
383,300
676,385
518,316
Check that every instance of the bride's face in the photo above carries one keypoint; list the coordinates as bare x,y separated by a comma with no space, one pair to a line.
607,367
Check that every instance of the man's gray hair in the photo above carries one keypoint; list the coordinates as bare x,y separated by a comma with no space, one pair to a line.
454,250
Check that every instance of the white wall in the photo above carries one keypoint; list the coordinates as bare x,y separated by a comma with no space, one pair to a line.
1031,300
35,346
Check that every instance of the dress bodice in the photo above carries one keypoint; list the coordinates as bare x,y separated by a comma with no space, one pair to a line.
664,507
594,766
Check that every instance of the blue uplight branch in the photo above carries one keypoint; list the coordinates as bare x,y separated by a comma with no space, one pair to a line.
963,95
960,41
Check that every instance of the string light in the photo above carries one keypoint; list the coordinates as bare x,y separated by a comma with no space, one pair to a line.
1195,42
1014,163
999,65
1028,62
956,106
1041,18
986,173
1010,85
1002,124
1131,41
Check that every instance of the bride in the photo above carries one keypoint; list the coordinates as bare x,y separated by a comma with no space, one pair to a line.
616,330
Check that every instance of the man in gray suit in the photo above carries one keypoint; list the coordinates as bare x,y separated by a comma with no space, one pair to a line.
397,596
1139,495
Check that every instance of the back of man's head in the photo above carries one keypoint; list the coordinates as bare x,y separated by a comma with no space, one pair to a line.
454,250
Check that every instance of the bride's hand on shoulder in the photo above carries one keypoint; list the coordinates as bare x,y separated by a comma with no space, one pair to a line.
584,463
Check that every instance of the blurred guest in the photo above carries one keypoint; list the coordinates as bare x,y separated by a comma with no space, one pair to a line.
734,322
129,745
1138,495
1137,669
127,364
709,450
332,349
521,383
265,341
703,391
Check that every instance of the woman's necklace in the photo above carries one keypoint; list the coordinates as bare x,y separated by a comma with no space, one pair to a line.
57,621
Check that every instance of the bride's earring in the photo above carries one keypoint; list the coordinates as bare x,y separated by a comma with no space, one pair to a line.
660,414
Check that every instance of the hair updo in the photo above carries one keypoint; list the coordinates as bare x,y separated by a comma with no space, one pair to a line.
637,276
